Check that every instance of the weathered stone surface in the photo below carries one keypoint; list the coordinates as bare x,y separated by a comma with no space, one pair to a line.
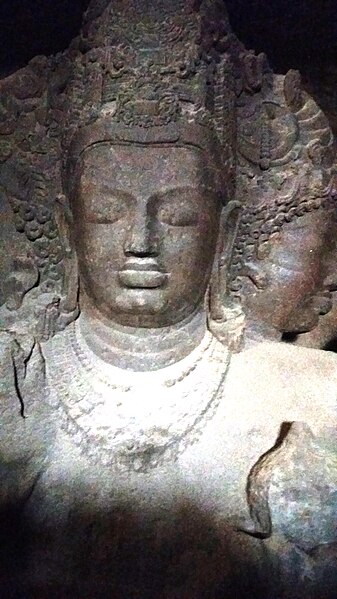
178,202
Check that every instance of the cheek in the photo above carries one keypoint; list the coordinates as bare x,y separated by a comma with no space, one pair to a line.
304,275
189,251
292,281
99,246
296,288
298,257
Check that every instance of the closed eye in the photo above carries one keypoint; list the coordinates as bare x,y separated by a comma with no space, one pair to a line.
112,211
177,216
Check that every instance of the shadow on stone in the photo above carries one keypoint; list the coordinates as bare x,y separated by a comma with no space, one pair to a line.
178,553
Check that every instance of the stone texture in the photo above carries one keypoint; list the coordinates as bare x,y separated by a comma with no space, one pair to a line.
175,202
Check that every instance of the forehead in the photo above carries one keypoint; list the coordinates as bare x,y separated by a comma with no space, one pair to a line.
133,168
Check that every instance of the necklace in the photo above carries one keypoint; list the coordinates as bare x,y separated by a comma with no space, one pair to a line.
126,419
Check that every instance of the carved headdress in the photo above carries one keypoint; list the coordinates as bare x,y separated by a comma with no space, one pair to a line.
151,72
149,64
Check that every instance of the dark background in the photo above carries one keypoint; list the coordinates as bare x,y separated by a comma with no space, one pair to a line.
298,34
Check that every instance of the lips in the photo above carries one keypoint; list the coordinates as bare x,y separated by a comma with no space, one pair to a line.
326,306
323,303
142,273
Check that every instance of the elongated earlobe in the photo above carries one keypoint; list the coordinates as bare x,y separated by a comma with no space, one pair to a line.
70,288
63,310
229,222
226,319
64,219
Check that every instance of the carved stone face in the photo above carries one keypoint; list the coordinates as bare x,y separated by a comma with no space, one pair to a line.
296,275
146,221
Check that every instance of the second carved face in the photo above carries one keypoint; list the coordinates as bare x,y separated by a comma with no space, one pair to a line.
289,287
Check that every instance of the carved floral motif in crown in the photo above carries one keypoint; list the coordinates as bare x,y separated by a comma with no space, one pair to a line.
144,63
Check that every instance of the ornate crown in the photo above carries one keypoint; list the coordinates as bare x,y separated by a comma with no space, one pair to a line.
141,64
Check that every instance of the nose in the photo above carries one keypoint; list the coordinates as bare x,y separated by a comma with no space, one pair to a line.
140,240
330,282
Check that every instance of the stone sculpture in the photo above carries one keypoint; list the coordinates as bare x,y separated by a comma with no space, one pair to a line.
282,268
139,457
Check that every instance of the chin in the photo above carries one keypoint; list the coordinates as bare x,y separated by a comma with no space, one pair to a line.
140,302
303,325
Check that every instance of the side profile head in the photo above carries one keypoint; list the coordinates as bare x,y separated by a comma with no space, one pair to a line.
281,270
282,267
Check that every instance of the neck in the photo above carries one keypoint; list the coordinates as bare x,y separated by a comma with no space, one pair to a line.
257,332
142,349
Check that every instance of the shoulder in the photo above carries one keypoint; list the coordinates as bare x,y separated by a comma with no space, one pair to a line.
295,360
284,383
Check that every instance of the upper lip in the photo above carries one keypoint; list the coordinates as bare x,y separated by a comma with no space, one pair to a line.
141,264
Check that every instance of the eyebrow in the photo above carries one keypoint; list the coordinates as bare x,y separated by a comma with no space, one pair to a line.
118,193
161,194
172,191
